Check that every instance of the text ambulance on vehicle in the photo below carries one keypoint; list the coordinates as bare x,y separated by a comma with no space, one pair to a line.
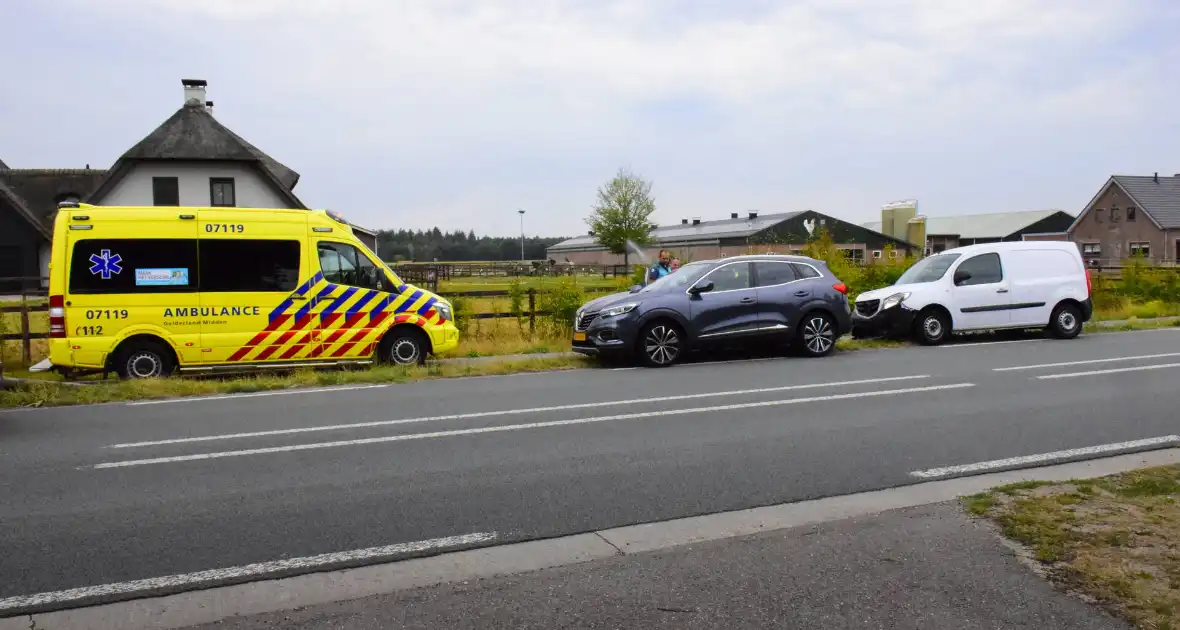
144,291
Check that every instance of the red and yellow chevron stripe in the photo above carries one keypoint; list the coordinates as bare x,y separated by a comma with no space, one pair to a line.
336,322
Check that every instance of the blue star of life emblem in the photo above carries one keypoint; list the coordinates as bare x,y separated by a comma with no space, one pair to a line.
105,264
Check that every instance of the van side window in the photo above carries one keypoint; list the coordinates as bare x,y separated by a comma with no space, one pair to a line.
343,264
233,265
148,265
983,269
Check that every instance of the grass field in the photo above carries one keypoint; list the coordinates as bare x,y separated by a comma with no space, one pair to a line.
540,283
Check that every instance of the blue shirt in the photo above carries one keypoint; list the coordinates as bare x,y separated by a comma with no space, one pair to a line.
658,271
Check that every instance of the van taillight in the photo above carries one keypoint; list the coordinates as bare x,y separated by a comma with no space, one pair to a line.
57,317
1089,285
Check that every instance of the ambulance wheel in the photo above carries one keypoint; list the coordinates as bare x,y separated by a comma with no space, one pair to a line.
144,359
404,346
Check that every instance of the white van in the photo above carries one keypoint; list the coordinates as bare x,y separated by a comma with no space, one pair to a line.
995,286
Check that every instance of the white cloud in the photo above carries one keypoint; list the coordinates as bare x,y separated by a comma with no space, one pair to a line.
890,49
432,85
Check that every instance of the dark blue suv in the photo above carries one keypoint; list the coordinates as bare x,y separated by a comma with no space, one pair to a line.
719,302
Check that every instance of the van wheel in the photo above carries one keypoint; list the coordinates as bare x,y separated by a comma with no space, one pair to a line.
816,336
404,347
932,327
144,359
1066,322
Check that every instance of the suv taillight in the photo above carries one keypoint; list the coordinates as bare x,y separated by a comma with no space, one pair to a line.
57,317
841,287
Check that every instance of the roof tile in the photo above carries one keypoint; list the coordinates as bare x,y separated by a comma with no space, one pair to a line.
192,133
1158,198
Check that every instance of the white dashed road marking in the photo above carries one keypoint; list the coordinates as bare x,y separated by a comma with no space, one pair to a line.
1033,460
1140,368
987,343
1086,362
509,412
522,427
255,571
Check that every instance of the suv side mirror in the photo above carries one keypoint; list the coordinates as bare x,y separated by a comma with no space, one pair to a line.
961,276
703,287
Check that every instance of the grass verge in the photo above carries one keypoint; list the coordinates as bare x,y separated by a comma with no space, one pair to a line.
1131,324
848,343
1113,539
509,345
49,393
1124,308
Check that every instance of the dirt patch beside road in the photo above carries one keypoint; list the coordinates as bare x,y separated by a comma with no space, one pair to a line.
1113,539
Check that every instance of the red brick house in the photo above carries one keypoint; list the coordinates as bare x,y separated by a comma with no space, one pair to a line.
1132,215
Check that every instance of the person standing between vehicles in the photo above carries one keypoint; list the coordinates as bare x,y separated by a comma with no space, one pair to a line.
662,267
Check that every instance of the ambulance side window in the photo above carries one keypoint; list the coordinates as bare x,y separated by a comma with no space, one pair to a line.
229,265
343,264
130,266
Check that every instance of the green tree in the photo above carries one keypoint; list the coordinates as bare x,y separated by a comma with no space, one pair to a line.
623,213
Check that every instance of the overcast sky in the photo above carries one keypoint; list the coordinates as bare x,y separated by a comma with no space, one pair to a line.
456,113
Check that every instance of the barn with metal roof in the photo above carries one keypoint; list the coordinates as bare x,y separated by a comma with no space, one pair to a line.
741,233
947,232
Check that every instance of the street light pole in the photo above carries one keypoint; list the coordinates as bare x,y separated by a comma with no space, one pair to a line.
521,212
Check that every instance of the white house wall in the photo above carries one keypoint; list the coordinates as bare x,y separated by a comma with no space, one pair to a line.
251,190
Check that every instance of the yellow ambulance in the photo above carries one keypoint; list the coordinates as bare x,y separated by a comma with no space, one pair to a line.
147,291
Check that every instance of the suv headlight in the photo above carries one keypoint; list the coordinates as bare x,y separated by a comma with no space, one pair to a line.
894,300
621,309
444,310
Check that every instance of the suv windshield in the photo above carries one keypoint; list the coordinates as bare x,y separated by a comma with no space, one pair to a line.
682,277
928,269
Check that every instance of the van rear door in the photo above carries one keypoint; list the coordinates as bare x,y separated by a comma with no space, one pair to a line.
1036,276
131,270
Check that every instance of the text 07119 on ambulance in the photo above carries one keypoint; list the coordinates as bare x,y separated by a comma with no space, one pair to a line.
145,291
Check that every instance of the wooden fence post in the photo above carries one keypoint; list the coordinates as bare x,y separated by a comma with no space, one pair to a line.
532,311
26,351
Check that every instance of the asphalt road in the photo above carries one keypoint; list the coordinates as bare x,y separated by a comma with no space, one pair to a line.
926,568
111,494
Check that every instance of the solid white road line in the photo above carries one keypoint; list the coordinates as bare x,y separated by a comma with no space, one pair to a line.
1030,460
521,427
1140,368
986,343
1086,362
280,392
254,571
505,412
